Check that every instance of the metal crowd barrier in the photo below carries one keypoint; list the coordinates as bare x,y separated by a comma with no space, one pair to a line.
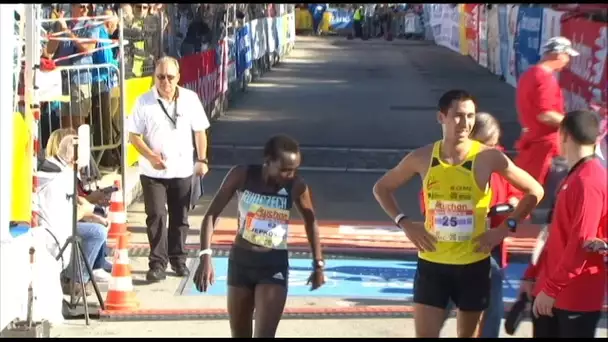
96,103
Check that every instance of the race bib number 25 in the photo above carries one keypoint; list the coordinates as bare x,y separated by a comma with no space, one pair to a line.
453,221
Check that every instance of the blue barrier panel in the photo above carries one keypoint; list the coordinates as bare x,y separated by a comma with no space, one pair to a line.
503,34
527,38
243,50
340,19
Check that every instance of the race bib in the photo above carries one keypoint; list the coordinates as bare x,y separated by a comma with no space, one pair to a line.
452,221
266,227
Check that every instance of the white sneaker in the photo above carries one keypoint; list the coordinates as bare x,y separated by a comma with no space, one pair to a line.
101,275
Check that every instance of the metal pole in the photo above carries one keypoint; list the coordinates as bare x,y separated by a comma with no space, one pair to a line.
123,110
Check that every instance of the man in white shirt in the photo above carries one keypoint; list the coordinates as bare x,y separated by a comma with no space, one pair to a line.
161,127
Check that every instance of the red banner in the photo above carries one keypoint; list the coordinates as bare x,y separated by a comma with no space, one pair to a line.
202,74
471,12
585,80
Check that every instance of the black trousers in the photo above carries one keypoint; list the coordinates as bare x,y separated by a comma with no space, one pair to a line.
166,244
566,324
357,24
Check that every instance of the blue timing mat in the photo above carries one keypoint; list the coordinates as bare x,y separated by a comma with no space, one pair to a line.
350,278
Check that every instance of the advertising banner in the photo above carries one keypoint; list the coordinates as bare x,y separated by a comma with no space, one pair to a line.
204,74
510,74
527,39
552,26
447,32
471,12
230,59
503,34
482,34
436,15
494,62
281,36
261,39
244,57
464,47
292,28
584,81
256,31
191,66
270,35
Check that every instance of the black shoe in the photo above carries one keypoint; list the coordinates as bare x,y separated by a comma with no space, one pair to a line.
156,274
516,314
181,270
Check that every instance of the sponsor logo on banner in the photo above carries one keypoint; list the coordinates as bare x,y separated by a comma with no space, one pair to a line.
552,26
510,74
494,62
584,81
201,74
446,29
527,46
483,35
472,27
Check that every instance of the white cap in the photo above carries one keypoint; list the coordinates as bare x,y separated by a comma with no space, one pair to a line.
559,45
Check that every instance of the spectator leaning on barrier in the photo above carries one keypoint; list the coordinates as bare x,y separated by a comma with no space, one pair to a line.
106,93
76,83
540,109
161,127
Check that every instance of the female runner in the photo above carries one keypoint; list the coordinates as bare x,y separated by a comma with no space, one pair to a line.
258,264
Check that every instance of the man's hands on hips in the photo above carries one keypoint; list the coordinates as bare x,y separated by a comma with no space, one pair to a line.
200,168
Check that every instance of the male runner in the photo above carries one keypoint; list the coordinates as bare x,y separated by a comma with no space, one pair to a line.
454,243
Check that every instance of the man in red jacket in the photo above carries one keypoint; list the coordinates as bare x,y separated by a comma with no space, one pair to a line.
568,282
540,109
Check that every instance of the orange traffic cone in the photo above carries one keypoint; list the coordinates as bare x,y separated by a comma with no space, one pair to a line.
117,214
121,296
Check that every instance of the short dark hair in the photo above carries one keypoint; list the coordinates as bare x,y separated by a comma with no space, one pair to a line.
279,144
446,100
582,125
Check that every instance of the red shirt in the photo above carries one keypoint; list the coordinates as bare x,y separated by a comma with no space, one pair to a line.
537,91
574,277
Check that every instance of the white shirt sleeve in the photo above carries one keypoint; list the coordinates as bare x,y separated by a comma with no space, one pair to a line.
136,122
199,119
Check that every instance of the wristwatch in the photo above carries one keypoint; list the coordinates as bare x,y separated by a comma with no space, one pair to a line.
318,263
512,224
204,161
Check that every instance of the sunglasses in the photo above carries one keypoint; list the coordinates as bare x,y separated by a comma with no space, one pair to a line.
141,7
167,77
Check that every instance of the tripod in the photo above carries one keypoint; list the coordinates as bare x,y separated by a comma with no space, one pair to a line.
77,253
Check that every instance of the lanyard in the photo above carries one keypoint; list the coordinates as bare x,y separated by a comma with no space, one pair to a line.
174,118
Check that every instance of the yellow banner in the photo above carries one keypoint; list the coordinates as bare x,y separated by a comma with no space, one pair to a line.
134,88
464,45
21,197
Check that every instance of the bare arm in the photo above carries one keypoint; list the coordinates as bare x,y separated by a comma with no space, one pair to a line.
200,139
521,180
551,118
303,202
228,188
386,186
140,145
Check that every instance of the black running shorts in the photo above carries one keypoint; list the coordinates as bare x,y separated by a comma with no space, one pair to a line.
247,268
468,286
